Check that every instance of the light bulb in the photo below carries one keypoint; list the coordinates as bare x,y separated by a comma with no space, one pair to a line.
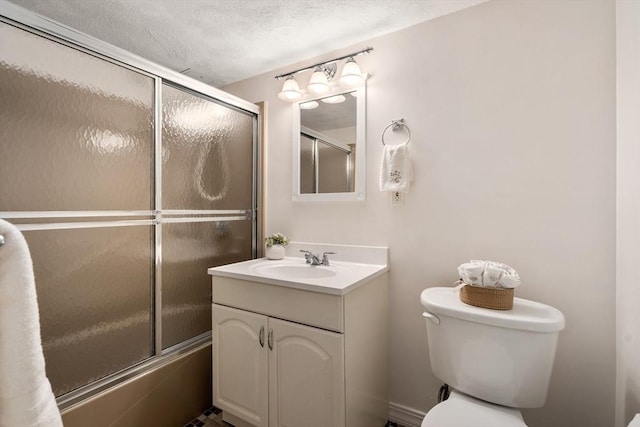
290,90
336,99
310,105
351,75
318,82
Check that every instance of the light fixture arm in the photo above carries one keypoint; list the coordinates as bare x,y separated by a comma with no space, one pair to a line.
329,69
321,64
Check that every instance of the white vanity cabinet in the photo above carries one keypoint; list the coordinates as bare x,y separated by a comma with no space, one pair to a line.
240,367
294,374
292,357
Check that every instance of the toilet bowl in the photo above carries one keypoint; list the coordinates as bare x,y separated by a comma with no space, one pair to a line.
496,361
460,410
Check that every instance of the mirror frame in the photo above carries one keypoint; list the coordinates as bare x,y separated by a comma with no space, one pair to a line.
361,159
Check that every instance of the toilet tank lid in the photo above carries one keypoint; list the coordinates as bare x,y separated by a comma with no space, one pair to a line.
525,315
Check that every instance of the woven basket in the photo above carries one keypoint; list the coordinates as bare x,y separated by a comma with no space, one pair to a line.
493,298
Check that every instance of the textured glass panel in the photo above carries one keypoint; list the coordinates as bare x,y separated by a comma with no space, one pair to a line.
188,250
207,153
307,169
333,167
76,132
94,295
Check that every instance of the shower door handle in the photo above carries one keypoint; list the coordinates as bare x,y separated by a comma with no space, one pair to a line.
261,336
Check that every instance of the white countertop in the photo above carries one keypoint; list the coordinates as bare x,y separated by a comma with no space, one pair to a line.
339,278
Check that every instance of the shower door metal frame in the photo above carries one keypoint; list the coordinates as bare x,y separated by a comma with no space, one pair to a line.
31,22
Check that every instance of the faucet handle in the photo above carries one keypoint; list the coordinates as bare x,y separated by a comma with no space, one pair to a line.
307,255
325,259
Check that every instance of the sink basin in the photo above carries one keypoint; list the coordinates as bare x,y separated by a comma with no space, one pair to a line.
296,271
357,265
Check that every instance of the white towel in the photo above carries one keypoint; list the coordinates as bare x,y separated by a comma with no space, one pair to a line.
26,398
488,274
395,168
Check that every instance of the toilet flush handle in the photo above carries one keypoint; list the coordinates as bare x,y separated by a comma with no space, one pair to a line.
431,317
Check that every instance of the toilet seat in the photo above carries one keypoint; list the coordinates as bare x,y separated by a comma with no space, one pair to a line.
460,410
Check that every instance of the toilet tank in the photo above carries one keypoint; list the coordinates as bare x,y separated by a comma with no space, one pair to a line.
500,356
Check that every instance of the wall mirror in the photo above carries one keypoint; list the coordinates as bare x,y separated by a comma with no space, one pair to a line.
329,146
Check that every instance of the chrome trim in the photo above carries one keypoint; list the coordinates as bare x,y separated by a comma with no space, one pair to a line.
66,42
208,97
78,225
315,158
312,134
205,219
94,214
367,49
257,165
157,151
175,212
70,214
157,290
26,17
187,343
349,171
68,400
157,230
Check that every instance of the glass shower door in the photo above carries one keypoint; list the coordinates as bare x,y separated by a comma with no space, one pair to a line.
76,151
127,189
207,201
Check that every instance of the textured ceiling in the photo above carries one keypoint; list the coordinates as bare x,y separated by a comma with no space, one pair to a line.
223,41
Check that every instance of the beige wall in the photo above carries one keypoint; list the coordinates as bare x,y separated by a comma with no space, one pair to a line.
511,105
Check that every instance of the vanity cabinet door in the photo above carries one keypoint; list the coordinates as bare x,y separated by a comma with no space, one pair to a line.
240,364
306,376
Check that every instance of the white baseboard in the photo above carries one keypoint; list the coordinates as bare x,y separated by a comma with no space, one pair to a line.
405,416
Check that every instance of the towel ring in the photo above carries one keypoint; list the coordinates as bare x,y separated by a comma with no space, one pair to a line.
395,125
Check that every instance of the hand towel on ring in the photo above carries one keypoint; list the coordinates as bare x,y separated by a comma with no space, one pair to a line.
395,168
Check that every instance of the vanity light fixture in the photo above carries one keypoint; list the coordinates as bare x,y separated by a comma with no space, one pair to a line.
351,75
319,82
290,90
323,72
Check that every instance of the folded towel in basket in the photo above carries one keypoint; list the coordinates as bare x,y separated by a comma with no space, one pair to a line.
395,168
488,274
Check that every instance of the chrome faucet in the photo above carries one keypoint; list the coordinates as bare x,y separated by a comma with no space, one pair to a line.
314,259
311,258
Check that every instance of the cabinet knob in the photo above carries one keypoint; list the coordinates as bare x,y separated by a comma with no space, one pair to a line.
270,339
261,336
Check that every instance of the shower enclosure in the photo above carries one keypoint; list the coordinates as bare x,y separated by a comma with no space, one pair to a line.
325,167
128,181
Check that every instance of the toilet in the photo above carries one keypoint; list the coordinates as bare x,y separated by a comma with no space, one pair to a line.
496,361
